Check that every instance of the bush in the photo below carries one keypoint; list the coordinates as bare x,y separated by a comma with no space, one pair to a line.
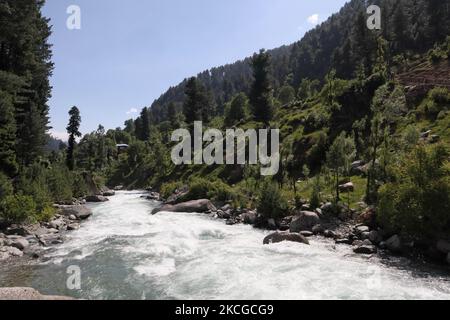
315,193
6,188
18,209
439,95
418,202
271,203
167,189
217,190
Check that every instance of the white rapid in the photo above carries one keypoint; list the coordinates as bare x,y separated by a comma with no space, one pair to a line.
126,253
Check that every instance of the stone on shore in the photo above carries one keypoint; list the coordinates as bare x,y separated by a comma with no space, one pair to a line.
108,193
80,212
27,294
96,198
347,187
305,221
8,252
443,246
285,236
365,249
394,243
200,206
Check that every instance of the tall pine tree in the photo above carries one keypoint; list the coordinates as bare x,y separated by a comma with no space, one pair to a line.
261,99
73,131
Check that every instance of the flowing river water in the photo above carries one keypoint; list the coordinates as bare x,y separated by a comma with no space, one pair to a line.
124,252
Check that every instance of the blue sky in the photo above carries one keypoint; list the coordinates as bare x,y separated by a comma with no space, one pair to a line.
128,52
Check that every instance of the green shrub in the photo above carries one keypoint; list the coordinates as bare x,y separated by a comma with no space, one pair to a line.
167,189
200,188
418,202
315,198
6,188
271,203
18,209
439,95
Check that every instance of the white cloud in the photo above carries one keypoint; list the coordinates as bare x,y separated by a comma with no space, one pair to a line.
132,111
314,19
64,136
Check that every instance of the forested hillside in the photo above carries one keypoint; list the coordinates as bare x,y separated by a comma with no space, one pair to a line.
343,42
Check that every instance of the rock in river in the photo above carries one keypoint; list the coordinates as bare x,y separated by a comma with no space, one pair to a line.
305,221
80,212
200,206
285,236
96,198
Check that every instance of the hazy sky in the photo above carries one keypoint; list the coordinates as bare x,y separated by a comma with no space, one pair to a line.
128,52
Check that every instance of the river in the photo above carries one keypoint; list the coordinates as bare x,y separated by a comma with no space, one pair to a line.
124,252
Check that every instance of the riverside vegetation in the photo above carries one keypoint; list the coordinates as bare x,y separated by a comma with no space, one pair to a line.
364,126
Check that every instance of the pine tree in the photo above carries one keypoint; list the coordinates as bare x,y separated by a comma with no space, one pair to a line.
237,109
8,163
73,131
261,99
25,52
144,132
192,108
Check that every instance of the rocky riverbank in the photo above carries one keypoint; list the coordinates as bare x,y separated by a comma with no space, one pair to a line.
344,227
30,240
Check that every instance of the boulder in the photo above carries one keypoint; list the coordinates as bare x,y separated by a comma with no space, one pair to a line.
249,217
73,226
307,234
375,236
118,188
317,229
24,294
271,224
96,198
8,252
50,239
285,236
17,230
443,246
57,224
327,208
347,187
329,234
305,221
344,241
18,242
200,206
368,217
394,243
80,212
359,230
365,249
108,193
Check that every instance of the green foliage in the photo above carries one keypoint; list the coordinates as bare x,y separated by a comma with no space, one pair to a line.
217,190
8,163
271,203
6,188
315,198
73,131
168,188
417,202
286,94
261,99
237,110
342,152
18,209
